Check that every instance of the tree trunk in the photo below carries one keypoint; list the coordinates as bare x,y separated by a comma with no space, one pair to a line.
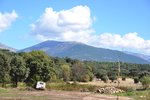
3,84
16,83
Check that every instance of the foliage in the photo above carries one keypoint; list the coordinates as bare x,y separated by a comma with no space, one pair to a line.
30,67
143,73
66,72
101,73
19,72
146,82
136,80
70,87
40,66
4,68
78,71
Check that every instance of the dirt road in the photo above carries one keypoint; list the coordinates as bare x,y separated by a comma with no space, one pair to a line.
57,95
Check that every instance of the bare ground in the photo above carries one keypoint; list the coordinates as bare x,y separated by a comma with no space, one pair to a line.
57,95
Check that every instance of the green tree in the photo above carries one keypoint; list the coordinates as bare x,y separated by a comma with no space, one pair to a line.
100,73
143,73
19,72
40,65
4,68
78,71
112,74
89,72
146,82
66,72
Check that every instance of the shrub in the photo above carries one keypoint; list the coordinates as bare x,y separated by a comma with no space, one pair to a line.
112,78
123,78
145,82
104,78
86,78
136,80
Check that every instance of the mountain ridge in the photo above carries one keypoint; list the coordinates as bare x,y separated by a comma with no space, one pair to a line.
143,56
2,46
77,50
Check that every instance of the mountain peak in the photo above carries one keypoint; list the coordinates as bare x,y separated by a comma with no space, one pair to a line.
77,50
70,42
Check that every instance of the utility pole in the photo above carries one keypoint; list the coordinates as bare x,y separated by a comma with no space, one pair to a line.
118,72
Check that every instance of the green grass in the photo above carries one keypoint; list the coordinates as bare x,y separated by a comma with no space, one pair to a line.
70,87
15,94
2,90
137,95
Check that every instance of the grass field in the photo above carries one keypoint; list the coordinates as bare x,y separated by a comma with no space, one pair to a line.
15,94
129,83
137,95
63,91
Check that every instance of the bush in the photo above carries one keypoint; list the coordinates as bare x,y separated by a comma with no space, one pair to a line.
145,82
136,80
70,87
112,78
85,78
91,75
123,78
104,78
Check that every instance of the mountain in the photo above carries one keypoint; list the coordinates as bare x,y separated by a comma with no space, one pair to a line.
82,51
145,57
2,46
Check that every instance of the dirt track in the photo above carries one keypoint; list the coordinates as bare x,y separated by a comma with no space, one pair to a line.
58,95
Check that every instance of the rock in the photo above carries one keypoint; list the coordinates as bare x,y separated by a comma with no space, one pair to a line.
30,89
84,90
109,90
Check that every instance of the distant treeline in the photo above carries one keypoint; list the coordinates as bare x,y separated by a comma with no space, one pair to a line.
37,66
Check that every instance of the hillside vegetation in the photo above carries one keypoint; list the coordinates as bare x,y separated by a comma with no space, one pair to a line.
84,52
37,66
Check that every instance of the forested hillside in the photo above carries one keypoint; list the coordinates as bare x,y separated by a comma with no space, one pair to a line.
37,66
80,51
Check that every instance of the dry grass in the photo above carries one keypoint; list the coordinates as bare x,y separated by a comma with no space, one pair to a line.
129,83
15,94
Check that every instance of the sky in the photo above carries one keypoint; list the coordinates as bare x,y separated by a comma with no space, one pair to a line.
113,24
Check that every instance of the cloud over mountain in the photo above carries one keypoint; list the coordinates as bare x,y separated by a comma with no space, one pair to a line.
6,19
75,24
130,41
64,24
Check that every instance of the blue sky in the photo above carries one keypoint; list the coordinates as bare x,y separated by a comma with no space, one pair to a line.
113,24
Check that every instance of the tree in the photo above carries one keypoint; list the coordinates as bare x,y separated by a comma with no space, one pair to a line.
19,72
40,65
100,73
112,75
4,68
136,80
143,73
66,72
146,82
89,72
133,72
78,71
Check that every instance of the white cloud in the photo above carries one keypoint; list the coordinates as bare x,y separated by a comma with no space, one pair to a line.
6,19
64,25
129,41
76,25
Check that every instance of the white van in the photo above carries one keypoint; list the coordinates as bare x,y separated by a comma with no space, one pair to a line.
40,85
